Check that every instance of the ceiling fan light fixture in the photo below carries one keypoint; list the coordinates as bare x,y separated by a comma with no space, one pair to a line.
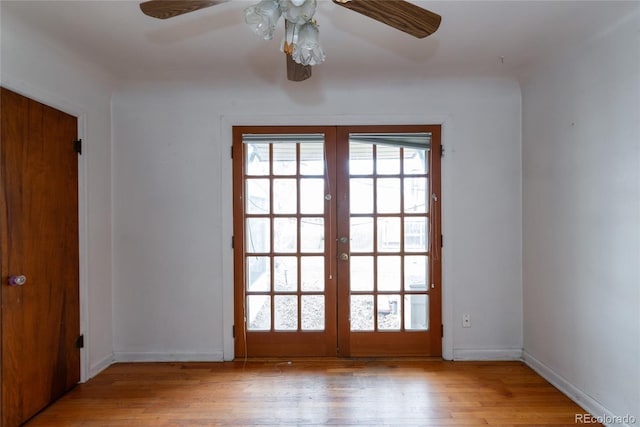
263,18
307,49
301,42
301,37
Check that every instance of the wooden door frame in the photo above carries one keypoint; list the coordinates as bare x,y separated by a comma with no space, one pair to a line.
63,104
435,316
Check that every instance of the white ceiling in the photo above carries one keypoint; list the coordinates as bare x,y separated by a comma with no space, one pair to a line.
476,38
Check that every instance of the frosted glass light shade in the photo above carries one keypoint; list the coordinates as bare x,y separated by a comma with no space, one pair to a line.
307,49
263,17
298,14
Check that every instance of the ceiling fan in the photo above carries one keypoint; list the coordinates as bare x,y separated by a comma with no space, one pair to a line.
301,46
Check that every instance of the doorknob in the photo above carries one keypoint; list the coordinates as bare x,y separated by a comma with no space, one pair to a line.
344,256
17,280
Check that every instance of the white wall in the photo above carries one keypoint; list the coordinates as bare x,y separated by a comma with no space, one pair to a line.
31,65
581,203
172,205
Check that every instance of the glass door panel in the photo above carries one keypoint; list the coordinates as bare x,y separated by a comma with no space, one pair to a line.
399,231
287,297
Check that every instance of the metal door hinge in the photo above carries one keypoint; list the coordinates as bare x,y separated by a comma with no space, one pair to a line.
77,146
80,342
441,150
233,242
441,331
233,331
441,241
232,151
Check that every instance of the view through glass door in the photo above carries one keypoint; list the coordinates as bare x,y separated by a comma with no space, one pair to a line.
336,233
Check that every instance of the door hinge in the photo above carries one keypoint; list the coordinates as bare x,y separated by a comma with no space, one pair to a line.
441,241
233,331
441,150
233,242
441,331
80,341
77,146
232,151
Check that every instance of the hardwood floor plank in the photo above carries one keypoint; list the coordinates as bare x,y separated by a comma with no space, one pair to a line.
332,392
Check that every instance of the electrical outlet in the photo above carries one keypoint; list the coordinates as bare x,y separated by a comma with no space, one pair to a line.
466,320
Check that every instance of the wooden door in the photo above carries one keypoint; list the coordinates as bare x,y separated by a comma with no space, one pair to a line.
388,242
335,236
39,226
284,257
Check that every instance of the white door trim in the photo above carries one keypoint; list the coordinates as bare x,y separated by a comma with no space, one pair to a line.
225,168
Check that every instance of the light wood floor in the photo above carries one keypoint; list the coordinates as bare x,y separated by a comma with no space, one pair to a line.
314,393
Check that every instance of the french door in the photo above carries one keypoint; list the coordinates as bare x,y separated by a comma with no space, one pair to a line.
337,241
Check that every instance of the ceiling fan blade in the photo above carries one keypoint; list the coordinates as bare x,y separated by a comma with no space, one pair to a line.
398,14
163,9
297,72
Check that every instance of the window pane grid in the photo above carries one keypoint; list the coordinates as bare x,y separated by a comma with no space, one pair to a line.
399,210
284,204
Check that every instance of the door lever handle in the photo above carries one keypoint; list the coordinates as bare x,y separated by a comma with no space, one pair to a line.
17,280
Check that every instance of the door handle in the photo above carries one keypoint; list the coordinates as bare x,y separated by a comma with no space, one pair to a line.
344,256
17,280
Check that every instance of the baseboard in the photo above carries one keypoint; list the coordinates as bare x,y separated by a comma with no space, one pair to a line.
461,354
168,357
586,402
101,365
